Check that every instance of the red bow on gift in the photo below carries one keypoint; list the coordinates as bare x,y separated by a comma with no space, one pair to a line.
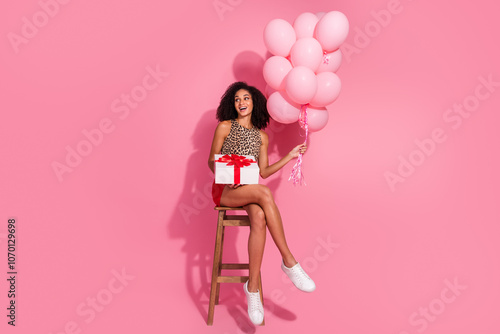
237,161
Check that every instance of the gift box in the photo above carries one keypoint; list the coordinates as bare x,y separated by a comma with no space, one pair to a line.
236,169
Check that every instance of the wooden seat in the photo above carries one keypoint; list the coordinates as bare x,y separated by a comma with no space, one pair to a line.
224,220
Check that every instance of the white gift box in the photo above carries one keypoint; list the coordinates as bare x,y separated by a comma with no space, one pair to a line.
236,169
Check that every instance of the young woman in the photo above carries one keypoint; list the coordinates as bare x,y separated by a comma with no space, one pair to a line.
242,114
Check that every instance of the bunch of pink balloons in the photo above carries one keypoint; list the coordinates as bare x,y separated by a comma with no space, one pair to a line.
301,72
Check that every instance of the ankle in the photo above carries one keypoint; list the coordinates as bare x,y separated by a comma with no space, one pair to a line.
253,286
289,262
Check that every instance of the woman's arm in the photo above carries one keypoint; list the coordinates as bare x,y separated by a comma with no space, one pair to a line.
221,132
265,169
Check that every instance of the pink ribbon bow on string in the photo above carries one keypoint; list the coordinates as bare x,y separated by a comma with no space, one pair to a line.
326,58
296,175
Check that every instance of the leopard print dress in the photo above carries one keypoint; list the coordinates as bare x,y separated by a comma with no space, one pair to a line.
242,141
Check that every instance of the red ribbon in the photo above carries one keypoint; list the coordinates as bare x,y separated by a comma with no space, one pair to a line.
237,161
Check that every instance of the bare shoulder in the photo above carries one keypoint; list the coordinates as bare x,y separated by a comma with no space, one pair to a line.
264,136
224,127
226,123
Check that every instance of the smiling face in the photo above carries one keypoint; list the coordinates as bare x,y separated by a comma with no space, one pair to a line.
243,102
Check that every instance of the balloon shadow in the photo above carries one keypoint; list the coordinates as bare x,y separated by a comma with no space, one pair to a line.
248,66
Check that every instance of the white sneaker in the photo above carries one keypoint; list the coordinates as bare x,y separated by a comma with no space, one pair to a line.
255,308
299,277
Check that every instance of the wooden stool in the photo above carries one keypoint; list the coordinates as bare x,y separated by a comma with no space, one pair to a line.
223,221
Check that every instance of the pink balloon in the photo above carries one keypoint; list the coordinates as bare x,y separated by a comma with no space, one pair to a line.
328,89
279,37
275,70
282,109
331,31
317,118
320,15
307,52
269,90
304,25
301,84
331,62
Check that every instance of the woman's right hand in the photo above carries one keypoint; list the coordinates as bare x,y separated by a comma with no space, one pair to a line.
299,149
234,186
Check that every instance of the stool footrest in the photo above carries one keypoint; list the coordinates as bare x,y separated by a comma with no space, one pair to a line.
234,266
232,279
235,220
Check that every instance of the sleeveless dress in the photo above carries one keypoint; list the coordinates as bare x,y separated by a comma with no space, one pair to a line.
242,141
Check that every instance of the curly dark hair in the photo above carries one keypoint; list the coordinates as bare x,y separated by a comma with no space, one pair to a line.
226,109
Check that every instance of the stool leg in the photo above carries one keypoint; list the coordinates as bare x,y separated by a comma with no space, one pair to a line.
220,266
215,269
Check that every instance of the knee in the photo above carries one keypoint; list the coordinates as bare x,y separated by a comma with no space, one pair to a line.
265,194
258,219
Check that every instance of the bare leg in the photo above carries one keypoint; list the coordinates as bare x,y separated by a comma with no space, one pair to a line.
261,195
256,243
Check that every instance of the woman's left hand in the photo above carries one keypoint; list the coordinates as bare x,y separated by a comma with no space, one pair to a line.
297,150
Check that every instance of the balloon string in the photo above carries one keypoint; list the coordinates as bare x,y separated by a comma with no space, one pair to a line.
296,175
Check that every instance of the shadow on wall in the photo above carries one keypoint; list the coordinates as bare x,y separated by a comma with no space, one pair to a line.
194,219
248,67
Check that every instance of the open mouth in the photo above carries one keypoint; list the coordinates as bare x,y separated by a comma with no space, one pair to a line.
243,108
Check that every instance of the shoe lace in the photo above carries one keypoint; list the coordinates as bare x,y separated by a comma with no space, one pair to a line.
255,302
300,274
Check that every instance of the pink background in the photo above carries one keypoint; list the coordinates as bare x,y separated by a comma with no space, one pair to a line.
383,258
